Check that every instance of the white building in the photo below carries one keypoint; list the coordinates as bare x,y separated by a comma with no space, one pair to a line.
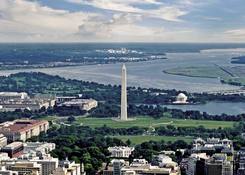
10,101
5,96
162,161
200,145
83,104
121,151
142,167
24,164
48,164
4,171
38,147
3,141
4,156
62,99
68,168
24,167
181,99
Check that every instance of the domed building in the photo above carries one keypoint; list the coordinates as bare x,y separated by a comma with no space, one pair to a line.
181,99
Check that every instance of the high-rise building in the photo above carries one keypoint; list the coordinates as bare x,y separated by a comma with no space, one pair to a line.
69,168
240,162
117,166
48,164
219,165
124,113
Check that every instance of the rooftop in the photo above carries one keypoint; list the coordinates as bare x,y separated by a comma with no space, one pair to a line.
13,145
21,125
79,101
121,148
12,93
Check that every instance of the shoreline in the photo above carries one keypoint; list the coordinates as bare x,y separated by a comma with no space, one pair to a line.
80,64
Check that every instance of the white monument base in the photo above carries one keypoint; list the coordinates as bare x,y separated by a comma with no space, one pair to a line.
120,120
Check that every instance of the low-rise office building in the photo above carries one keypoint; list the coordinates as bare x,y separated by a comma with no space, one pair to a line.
25,168
14,149
62,99
5,96
4,171
141,167
29,104
23,129
4,156
42,148
69,168
83,104
10,101
48,164
211,146
3,141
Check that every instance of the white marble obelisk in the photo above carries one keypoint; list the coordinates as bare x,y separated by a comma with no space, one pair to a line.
124,113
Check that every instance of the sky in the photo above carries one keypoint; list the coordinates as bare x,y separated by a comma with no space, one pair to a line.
122,21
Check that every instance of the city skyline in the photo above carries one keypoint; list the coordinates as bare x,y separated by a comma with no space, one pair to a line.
122,21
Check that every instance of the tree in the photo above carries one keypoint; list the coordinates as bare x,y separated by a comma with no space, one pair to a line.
71,119
128,142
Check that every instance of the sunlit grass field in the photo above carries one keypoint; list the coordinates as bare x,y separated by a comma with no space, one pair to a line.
149,121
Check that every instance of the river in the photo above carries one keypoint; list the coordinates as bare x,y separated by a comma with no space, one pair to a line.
149,74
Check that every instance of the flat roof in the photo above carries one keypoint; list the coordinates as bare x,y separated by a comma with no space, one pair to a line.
22,125
12,93
13,145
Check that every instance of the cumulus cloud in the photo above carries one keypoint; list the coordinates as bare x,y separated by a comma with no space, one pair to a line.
29,21
109,20
20,18
124,27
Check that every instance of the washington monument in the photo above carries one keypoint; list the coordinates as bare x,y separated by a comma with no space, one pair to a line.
124,113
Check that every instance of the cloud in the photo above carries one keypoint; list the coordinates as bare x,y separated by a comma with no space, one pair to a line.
162,11
114,20
212,18
29,21
168,13
20,18
124,27
235,34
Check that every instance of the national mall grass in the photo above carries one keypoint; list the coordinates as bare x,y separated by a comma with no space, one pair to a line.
149,121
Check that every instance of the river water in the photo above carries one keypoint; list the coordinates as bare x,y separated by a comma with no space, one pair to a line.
149,74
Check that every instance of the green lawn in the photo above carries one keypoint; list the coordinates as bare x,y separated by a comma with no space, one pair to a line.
49,118
199,71
140,139
228,74
148,121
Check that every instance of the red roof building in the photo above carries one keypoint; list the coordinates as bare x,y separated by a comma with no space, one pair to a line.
23,129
